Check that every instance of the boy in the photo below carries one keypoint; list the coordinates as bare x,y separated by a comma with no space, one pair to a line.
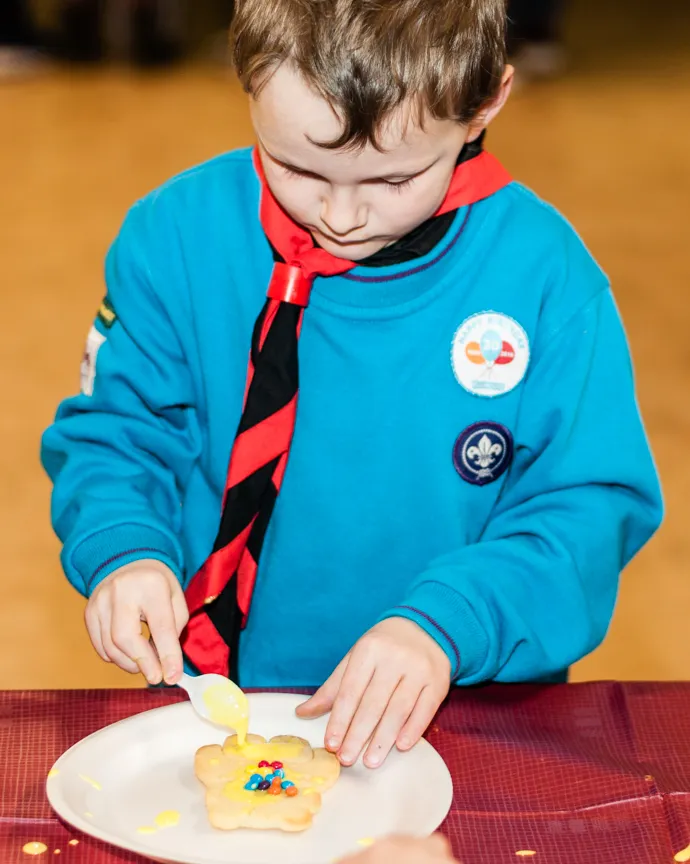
468,473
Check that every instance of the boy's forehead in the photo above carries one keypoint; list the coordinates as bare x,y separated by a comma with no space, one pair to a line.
290,118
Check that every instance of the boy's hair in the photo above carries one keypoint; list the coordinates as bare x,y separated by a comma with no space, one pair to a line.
368,57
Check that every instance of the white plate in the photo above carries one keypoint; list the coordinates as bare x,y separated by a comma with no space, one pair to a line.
145,765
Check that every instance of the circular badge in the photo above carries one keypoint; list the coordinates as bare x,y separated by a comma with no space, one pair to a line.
483,453
490,354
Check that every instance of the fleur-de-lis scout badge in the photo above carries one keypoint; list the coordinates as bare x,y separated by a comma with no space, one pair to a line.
483,453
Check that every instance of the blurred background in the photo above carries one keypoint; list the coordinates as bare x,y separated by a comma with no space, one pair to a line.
102,101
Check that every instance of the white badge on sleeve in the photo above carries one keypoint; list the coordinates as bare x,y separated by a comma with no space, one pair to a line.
94,342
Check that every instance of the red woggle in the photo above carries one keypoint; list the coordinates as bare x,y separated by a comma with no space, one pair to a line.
289,285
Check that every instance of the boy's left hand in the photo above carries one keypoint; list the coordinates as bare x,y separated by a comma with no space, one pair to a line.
389,686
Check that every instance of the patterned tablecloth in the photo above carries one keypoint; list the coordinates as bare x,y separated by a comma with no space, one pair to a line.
568,774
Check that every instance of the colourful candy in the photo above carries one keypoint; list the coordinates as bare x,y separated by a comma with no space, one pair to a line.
251,769
279,773
263,786
276,766
275,790
286,784
270,777
251,787
256,778
264,764
292,791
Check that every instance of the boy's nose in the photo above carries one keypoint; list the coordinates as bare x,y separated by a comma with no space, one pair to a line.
342,215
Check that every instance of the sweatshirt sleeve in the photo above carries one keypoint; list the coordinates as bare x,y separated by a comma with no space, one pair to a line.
537,592
119,454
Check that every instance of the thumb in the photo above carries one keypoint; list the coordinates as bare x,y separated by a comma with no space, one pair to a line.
322,701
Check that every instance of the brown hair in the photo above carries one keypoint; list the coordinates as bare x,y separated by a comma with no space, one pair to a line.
368,57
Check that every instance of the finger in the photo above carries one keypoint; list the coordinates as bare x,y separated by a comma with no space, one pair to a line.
93,628
358,858
163,627
128,639
114,653
372,708
357,677
424,712
180,611
440,845
322,701
400,707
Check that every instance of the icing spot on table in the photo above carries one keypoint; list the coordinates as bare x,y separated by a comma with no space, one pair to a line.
96,786
682,856
34,848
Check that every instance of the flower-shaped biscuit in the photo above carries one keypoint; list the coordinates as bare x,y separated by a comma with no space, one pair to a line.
265,784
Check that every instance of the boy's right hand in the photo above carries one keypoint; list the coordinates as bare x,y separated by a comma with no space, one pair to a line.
147,591
404,850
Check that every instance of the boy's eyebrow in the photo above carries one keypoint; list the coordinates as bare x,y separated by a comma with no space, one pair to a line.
399,175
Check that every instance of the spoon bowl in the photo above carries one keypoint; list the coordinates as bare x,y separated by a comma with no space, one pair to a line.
217,700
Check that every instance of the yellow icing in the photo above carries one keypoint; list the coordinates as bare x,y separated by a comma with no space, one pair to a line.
34,848
682,856
53,773
91,782
366,841
73,842
228,706
167,819
146,829
526,853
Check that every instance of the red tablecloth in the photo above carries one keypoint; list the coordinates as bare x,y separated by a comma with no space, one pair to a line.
578,774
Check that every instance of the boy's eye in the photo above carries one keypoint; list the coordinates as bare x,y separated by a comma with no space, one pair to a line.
399,185
393,185
294,172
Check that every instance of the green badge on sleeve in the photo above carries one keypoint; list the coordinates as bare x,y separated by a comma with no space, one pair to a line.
106,314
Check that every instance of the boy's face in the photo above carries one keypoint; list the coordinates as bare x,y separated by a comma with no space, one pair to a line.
353,203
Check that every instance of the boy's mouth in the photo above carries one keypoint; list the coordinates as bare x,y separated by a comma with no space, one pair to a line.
340,242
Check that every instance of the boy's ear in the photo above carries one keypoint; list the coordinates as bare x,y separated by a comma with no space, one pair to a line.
491,110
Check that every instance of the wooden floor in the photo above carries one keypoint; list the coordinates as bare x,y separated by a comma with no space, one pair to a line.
608,145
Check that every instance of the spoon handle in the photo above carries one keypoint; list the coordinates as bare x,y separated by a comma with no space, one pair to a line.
186,682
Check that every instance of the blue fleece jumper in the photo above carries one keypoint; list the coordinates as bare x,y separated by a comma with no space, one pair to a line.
485,475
